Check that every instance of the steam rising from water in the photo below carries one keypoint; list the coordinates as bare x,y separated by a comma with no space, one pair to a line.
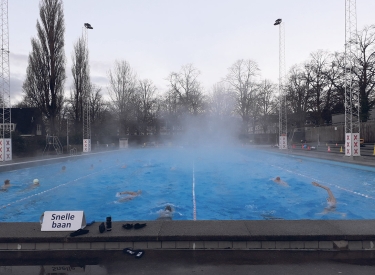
200,131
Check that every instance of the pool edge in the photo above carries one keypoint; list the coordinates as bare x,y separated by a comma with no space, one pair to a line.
199,235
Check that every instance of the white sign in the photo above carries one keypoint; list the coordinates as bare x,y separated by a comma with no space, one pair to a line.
356,144
86,145
7,149
282,142
63,220
348,144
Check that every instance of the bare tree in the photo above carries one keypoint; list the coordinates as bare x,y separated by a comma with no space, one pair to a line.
318,84
147,102
122,91
267,104
97,104
365,70
222,101
298,94
336,77
45,74
187,88
241,78
81,82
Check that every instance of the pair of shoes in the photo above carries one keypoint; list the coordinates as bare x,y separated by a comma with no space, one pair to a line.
136,226
139,225
79,232
101,227
127,226
137,253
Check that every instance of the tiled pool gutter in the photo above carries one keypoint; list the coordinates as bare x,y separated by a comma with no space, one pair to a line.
331,235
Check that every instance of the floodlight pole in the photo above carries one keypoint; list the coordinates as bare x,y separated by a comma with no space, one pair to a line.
283,131
352,102
86,99
5,117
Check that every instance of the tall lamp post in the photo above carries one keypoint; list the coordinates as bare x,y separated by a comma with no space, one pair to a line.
86,111
352,101
283,139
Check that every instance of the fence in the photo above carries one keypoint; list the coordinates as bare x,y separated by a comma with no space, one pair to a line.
337,133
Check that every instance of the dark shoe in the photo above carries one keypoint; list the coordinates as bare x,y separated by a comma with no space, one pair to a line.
139,225
129,251
79,232
127,226
139,254
101,227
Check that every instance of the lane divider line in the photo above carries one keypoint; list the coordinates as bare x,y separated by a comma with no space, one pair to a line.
331,184
53,188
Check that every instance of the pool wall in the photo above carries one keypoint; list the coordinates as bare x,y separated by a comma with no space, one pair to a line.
199,235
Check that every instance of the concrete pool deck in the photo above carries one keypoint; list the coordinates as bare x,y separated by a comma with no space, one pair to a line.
331,235
284,235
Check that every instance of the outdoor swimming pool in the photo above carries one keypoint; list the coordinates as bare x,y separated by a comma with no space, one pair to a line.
200,183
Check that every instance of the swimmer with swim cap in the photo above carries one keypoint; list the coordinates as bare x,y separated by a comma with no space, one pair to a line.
36,182
63,168
167,214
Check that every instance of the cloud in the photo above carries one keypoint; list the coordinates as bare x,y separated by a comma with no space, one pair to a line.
99,80
18,59
16,89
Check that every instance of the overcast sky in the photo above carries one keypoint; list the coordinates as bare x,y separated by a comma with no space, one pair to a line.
158,37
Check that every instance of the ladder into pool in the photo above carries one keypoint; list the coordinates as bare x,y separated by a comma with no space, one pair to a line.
55,143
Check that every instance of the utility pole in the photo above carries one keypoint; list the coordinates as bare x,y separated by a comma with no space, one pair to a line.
283,131
5,117
86,104
352,103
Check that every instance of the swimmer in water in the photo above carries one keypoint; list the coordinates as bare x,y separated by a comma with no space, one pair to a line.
166,214
63,168
35,184
279,181
331,200
130,195
6,185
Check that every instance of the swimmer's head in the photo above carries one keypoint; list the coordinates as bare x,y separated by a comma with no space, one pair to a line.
168,208
36,182
63,168
139,191
277,178
6,182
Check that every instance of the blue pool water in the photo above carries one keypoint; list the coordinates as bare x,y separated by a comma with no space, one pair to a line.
203,184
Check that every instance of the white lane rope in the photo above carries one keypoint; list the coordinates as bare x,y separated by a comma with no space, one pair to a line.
194,202
331,184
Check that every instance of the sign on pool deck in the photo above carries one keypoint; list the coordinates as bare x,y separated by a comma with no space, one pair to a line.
63,220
